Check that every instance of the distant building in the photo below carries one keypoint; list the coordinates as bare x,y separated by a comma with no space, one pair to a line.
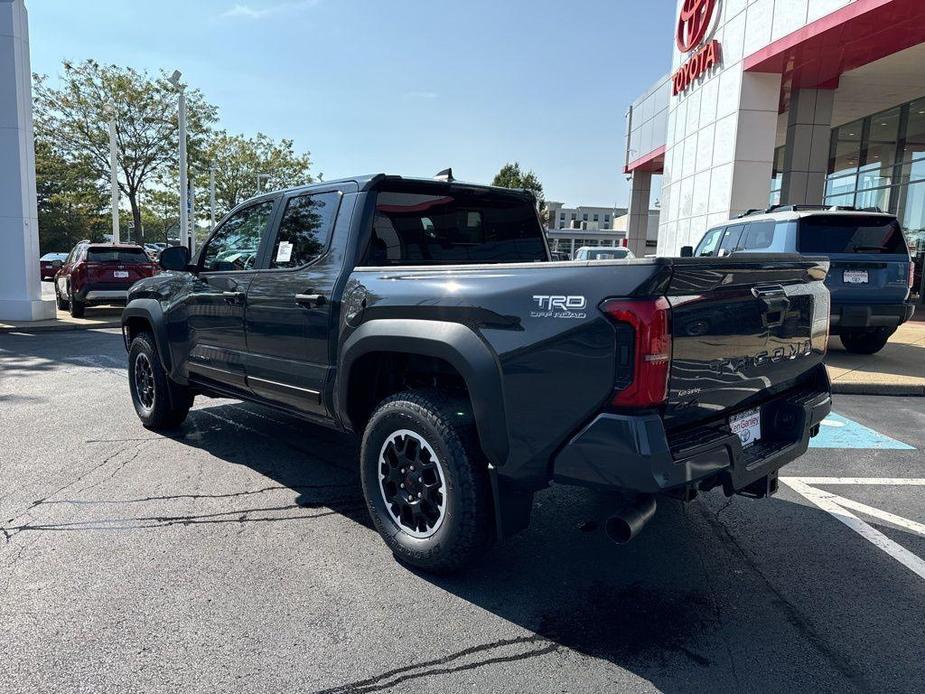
582,217
569,240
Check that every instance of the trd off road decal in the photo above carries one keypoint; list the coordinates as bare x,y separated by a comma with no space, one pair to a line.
559,306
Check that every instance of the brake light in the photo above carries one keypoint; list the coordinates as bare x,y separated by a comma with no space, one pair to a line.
912,286
650,320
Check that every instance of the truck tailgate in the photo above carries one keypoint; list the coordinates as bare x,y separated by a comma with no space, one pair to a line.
743,328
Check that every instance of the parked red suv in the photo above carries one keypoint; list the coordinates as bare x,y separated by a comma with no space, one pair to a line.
100,273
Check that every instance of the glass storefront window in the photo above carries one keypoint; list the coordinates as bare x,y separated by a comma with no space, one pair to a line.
879,197
911,214
846,200
846,185
846,145
915,131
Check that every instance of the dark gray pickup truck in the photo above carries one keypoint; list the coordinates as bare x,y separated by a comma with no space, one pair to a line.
426,316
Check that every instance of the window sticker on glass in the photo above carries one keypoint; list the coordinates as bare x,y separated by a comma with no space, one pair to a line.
283,252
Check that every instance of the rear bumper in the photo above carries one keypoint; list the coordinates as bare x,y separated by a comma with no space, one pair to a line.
633,452
102,294
850,316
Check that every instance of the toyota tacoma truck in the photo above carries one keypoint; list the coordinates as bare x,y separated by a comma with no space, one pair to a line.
426,317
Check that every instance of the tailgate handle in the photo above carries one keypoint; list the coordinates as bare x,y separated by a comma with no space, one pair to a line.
775,302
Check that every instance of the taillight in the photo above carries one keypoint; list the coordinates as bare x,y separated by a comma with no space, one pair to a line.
912,286
650,320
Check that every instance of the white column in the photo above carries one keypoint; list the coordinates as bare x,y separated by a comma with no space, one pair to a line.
114,179
637,225
20,284
184,186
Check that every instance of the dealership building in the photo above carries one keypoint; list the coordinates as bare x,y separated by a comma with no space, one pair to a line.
782,102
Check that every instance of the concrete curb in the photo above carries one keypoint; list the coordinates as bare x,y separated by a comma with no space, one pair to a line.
59,327
908,389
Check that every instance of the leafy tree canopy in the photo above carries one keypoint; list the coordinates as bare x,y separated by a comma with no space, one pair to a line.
75,115
239,160
511,176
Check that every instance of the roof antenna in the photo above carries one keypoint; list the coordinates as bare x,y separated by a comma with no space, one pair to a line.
445,175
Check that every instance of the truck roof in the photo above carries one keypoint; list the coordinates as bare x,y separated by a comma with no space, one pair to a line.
794,212
368,182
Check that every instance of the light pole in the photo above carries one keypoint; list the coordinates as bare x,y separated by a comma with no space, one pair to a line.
113,171
211,198
261,177
184,190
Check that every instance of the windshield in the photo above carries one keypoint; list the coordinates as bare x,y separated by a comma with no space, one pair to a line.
851,234
456,227
117,255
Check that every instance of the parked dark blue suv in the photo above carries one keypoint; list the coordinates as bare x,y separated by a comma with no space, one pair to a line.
870,273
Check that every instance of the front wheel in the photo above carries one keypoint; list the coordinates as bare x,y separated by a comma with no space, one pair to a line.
866,341
61,303
425,481
159,403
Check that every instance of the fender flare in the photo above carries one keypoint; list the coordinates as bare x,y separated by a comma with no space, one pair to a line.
151,312
456,344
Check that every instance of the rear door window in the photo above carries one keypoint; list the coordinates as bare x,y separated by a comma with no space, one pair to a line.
456,227
758,236
117,255
305,229
850,234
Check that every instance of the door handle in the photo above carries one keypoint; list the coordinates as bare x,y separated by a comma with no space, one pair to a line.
310,300
233,297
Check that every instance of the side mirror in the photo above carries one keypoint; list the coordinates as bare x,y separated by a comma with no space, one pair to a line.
174,258
687,251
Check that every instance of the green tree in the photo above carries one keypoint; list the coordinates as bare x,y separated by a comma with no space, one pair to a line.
239,160
76,114
511,176
160,214
71,203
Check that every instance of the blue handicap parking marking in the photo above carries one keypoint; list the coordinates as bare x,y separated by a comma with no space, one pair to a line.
839,432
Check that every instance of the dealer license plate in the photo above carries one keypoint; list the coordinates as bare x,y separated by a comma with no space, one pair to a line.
855,277
747,426
120,274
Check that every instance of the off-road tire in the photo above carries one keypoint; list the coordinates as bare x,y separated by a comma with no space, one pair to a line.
866,341
167,404
444,422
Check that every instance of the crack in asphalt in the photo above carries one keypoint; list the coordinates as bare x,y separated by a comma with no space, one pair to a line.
147,522
9,535
392,678
792,613
337,506
173,497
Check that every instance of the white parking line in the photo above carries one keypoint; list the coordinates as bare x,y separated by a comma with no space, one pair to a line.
836,506
861,480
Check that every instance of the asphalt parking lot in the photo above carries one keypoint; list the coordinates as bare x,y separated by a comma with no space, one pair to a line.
236,556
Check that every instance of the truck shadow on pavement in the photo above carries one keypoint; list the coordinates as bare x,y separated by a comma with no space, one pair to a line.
686,606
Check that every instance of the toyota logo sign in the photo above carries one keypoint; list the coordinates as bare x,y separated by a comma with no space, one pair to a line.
693,22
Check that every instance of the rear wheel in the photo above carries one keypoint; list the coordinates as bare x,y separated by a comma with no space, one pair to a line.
76,307
159,403
868,341
425,481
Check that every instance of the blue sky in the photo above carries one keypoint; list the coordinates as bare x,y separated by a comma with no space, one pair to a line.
403,86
